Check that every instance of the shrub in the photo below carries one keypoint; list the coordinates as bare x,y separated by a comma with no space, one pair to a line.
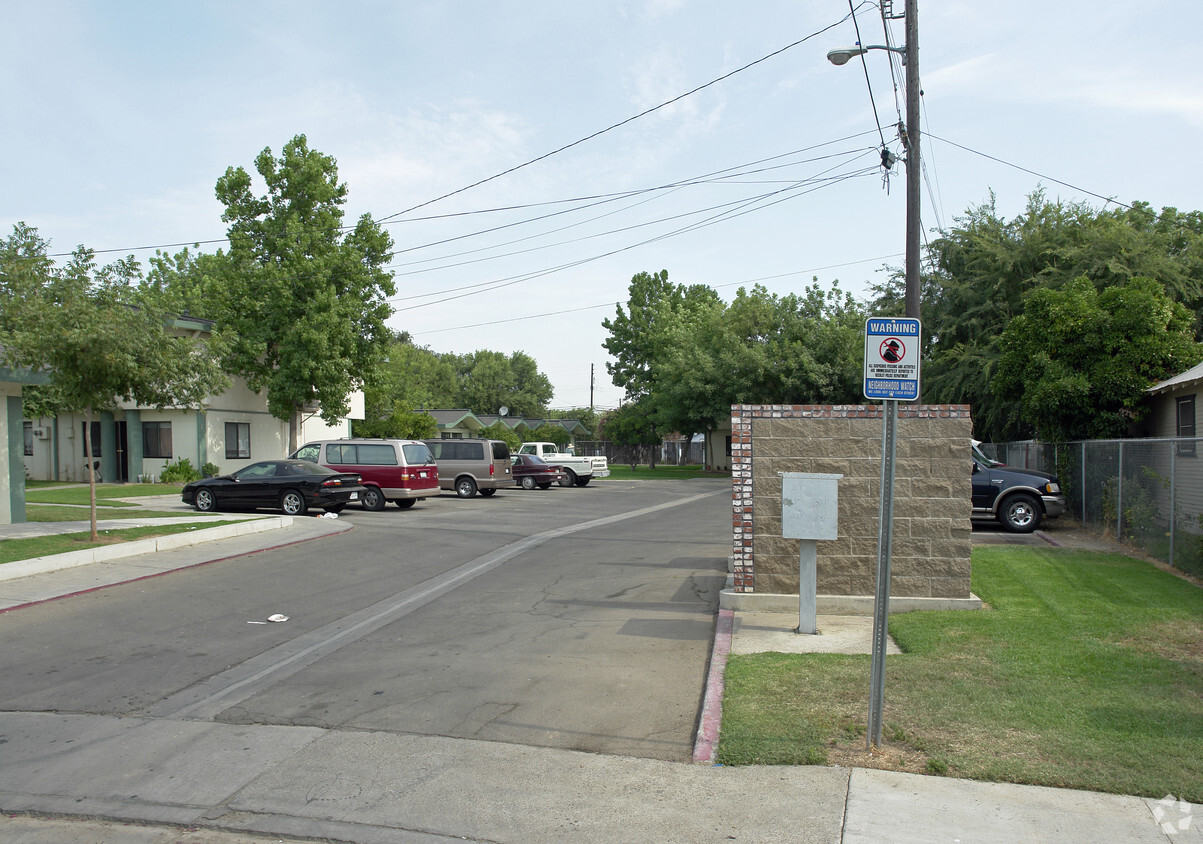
179,472
210,470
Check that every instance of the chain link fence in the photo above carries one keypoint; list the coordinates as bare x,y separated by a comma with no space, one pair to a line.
666,454
1147,493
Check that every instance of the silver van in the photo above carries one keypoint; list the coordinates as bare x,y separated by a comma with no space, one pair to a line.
402,471
469,466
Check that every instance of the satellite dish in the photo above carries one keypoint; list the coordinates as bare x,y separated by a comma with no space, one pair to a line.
504,410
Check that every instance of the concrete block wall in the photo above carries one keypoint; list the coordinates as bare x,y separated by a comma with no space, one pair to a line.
931,540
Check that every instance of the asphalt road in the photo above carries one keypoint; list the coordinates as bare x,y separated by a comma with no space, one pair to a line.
568,618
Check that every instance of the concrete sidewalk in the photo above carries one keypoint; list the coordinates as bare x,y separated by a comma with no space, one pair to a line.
130,780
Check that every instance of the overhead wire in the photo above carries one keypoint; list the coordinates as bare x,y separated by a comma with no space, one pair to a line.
622,123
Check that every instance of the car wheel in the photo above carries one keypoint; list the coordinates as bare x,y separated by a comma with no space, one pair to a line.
583,481
293,503
1020,514
373,498
465,487
528,482
206,502
487,493
544,486
569,478
406,503
335,508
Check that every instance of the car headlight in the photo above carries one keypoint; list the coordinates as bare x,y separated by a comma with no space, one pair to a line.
1052,488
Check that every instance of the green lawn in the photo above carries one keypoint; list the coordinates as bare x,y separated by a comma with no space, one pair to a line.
620,471
56,513
1085,671
12,550
78,493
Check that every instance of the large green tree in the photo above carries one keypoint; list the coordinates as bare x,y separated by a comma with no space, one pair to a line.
1078,360
103,336
306,296
486,381
984,268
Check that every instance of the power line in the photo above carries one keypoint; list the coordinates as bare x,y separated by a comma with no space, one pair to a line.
621,123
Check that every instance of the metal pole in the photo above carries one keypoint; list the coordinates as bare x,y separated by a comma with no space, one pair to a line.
881,603
913,172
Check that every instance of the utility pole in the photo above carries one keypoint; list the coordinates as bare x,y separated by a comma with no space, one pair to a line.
913,171
591,388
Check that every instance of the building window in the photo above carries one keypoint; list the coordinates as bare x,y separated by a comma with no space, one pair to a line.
156,439
238,440
28,439
83,444
1186,425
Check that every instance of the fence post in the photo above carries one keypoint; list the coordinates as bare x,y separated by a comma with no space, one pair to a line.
1119,496
1083,483
1173,507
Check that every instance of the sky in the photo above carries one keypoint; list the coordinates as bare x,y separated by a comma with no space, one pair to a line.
529,158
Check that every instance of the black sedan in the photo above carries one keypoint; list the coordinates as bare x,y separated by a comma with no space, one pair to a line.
291,485
531,471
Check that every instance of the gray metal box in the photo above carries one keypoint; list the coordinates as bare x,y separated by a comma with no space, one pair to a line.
809,505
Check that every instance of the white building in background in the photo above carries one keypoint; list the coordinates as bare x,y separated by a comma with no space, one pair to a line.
232,430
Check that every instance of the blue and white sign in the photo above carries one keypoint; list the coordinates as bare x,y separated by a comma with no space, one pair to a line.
892,358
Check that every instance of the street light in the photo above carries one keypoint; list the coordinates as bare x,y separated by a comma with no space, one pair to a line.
840,55
910,58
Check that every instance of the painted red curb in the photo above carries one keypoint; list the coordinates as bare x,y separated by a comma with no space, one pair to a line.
706,745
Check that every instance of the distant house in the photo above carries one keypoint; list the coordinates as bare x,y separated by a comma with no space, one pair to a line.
460,423
1173,405
133,443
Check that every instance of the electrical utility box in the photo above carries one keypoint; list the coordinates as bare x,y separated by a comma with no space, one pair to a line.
809,505
809,512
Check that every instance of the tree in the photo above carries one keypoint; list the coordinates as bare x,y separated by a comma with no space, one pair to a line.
634,425
986,267
101,334
307,299
402,422
487,381
1078,360
641,337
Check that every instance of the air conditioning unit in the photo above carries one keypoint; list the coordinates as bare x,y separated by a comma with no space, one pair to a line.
41,433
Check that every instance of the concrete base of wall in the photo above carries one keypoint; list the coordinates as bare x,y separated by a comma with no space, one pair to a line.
729,599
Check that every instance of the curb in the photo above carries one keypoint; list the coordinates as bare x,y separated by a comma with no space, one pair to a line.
71,559
706,745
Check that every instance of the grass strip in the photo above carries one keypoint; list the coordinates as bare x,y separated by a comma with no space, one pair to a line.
1085,671
646,473
109,493
55,513
13,550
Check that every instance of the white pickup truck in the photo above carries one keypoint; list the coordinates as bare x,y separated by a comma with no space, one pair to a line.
578,471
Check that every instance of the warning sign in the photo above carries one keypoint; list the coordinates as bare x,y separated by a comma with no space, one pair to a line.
892,358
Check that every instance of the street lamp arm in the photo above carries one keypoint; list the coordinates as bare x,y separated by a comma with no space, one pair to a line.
841,55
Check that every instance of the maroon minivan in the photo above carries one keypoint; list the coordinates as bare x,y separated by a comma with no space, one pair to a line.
402,471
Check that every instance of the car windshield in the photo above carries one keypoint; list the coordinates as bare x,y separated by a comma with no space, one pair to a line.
982,458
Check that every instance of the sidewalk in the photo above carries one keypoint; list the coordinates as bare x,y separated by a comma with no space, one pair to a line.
202,782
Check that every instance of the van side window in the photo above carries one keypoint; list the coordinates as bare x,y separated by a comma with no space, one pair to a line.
472,451
343,455
376,455
309,452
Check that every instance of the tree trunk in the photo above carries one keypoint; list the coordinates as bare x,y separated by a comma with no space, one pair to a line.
294,427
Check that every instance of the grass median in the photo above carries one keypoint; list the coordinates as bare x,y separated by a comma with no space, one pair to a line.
43,492
620,471
1085,670
13,550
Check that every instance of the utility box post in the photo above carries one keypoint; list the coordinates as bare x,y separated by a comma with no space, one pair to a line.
809,512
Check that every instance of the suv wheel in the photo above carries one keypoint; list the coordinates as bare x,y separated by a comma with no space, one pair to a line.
465,487
1020,514
373,498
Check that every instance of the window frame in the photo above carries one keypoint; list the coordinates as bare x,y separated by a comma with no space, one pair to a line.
236,453
157,439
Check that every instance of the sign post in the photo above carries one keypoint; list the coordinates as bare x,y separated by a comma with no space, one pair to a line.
891,374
